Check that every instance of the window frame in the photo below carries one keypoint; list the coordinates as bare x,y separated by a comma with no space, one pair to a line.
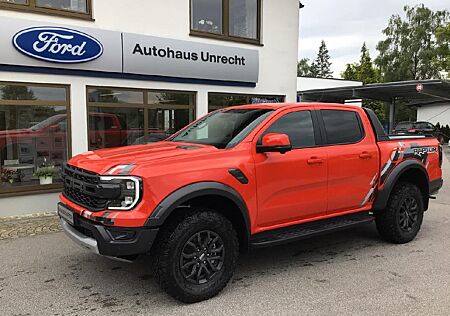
50,188
145,105
324,131
225,35
32,7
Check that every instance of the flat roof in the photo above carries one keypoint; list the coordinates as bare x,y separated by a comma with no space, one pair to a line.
412,93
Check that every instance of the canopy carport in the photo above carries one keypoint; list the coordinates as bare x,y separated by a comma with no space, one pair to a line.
410,93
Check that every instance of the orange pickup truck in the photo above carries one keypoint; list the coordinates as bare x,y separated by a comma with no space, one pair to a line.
247,177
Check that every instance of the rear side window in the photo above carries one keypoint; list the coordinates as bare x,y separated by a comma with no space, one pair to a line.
342,127
298,126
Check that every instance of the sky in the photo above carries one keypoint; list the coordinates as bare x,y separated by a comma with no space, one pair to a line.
346,24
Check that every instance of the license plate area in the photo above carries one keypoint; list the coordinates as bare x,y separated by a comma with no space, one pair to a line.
66,214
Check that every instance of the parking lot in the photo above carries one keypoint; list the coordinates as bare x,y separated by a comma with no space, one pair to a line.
351,272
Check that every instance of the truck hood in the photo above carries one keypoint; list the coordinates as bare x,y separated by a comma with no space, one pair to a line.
100,161
15,132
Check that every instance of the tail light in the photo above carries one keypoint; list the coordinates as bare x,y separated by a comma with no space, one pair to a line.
412,130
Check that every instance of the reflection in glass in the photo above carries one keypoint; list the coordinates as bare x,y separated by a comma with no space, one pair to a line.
243,18
30,135
115,96
19,92
115,127
221,100
15,1
171,98
206,16
165,122
69,5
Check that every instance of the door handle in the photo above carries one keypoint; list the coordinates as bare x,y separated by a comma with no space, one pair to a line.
314,161
365,155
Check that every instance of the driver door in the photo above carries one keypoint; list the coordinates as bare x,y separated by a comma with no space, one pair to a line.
293,186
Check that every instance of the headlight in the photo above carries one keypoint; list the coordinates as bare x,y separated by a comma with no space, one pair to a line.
130,192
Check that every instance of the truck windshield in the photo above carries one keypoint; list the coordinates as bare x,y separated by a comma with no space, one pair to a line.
223,129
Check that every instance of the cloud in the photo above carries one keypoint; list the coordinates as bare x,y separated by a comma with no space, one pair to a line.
345,25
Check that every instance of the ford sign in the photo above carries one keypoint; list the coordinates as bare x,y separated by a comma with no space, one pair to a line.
58,45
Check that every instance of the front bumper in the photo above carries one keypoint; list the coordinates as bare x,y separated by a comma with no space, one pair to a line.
108,240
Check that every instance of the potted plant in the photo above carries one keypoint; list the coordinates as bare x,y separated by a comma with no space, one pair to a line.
7,176
45,173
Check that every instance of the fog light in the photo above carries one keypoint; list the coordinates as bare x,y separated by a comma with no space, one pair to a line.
130,185
128,200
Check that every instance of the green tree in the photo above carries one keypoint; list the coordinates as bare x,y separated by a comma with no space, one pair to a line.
409,49
367,73
443,48
321,66
13,92
303,68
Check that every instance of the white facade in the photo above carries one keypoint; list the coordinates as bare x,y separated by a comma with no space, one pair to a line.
306,83
168,19
434,114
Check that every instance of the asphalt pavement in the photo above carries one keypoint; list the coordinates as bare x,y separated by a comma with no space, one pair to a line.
351,272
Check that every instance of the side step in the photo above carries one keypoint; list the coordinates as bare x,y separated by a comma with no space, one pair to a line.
301,231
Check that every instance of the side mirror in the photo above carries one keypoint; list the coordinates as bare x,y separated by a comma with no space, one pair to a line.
274,142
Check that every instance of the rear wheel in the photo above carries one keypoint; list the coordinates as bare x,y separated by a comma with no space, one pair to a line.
197,256
401,220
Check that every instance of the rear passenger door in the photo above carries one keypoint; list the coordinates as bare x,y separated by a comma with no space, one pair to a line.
352,158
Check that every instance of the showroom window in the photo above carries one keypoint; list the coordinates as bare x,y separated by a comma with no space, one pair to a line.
70,8
121,117
34,136
222,100
235,20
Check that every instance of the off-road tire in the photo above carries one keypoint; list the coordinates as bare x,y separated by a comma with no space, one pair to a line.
388,220
172,243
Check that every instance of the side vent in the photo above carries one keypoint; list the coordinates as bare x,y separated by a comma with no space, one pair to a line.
239,175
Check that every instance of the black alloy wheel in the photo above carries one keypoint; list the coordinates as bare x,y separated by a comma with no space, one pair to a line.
402,218
408,213
202,257
196,255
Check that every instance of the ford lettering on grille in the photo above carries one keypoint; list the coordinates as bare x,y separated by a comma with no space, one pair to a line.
57,44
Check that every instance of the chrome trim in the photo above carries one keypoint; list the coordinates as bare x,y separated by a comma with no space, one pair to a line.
79,238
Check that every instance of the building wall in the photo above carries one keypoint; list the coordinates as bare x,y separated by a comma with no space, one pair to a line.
305,83
434,114
277,65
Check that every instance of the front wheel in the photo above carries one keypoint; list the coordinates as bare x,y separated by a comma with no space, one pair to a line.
401,220
197,256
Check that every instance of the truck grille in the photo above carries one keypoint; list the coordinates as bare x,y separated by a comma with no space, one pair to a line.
80,187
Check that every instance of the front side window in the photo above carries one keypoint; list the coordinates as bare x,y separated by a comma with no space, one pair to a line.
298,126
33,134
227,19
121,117
75,8
342,127
223,129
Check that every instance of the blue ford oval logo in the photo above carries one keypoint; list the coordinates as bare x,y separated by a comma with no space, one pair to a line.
58,44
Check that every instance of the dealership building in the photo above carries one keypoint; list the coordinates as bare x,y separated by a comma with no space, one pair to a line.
79,75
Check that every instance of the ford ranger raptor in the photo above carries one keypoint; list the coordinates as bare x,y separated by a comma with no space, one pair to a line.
247,177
